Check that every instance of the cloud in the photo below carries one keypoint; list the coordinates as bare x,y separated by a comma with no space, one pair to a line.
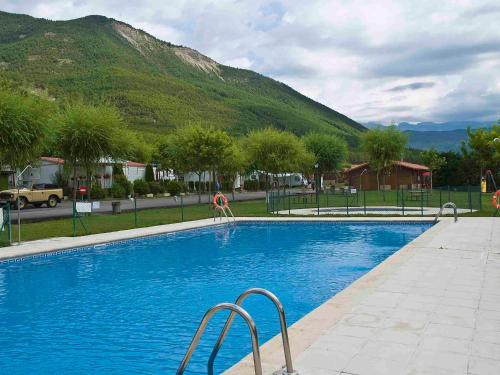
411,86
375,60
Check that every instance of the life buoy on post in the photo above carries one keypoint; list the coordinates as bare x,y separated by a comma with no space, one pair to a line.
494,200
220,201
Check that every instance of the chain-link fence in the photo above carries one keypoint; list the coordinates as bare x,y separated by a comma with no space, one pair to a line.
421,202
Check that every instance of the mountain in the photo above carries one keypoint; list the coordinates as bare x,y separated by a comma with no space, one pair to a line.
450,140
435,126
156,85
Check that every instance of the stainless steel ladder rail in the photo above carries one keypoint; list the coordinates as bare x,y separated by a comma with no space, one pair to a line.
235,309
229,322
447,205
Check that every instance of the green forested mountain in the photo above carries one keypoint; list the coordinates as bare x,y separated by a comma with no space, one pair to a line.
156,85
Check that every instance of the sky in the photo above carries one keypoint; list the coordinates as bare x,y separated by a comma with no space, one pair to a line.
373,60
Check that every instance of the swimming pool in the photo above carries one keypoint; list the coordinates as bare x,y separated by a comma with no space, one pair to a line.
133,306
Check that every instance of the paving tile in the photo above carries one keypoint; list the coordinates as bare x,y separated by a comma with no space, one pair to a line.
483,366
451,331
400,336
487,336
486,350
388,350
445,344
367,365
454,362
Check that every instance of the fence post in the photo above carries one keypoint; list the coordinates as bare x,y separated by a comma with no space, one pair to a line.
182,208
470,197
421,202
364,201
135,210
403,203
440,198
480,199
449,196
347,203
289,207
397,197
74,218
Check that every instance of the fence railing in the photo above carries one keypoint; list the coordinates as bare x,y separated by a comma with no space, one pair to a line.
369,202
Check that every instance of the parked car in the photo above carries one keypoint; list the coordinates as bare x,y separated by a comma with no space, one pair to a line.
38,195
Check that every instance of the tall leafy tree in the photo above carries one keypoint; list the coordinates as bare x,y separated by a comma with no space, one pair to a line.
88,134
24,127
272,152
199,149
434,160
330,152
383,146
482,149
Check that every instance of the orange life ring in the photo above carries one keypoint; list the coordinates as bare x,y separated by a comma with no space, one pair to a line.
218,199
494,200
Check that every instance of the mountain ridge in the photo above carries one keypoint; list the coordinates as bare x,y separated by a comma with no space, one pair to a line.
155,84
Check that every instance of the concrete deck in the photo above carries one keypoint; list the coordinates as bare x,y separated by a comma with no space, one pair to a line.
431,308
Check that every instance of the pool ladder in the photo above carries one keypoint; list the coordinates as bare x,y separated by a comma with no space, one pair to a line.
236,308
448,205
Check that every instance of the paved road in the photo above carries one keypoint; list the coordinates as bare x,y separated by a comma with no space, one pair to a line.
65,209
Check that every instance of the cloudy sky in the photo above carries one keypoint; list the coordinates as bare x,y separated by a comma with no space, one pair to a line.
372,60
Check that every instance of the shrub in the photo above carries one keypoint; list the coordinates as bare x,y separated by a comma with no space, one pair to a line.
141,187
154,187
149,175
117,170
251,185
174,187
97,192
117,190
121,180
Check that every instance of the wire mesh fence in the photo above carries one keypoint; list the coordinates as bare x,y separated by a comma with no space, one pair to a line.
5,225
415,202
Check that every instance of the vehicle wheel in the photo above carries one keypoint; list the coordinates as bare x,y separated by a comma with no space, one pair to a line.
23,202
37,205
52,202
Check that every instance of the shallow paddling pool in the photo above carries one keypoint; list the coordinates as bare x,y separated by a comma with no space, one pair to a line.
133,306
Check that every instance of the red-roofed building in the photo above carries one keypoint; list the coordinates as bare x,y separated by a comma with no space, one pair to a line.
400,175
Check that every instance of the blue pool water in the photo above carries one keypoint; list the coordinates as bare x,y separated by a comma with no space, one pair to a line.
132,307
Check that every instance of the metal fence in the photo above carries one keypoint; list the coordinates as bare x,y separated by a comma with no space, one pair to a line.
414,202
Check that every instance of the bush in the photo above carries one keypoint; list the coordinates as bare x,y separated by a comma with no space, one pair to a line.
149,173
97,192
174,187
117,190
251,185
155,187
121,180
141,187
117,170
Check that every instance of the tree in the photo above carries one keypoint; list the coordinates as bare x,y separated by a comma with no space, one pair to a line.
233,163
481,148
273,152
88,134
330,151
382,147
24,129
433,160
149,174
198,149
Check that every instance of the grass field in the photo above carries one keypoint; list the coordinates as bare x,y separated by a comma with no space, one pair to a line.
101,223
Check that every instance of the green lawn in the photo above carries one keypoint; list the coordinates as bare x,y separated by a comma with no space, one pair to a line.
108,223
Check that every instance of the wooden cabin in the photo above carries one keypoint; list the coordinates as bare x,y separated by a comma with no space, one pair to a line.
400,175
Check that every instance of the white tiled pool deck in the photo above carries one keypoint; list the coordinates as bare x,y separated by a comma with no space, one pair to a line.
431,308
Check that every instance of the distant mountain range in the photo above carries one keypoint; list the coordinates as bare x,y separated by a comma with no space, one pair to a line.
435,126
444,136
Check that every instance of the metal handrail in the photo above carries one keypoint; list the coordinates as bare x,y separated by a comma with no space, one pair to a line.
448,205
235,309
229,322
